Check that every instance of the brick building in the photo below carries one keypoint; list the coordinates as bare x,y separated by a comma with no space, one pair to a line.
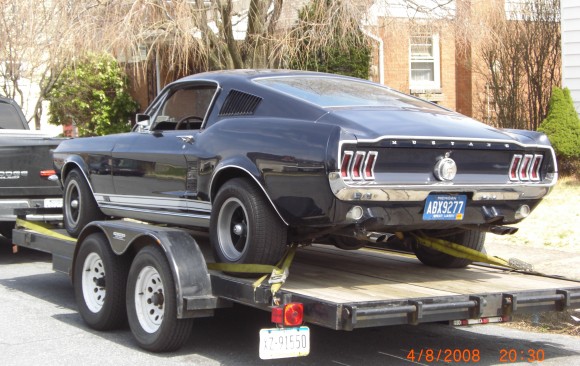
424,56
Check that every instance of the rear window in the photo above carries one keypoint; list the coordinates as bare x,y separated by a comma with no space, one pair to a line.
9,117
328,91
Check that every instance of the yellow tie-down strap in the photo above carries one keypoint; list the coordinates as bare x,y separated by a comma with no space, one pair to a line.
460,251
42,228
277,273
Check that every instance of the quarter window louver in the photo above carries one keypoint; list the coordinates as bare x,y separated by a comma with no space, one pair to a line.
240,104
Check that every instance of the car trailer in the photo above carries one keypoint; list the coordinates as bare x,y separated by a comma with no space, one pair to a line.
161,279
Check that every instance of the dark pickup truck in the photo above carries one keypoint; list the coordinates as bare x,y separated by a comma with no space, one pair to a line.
25,166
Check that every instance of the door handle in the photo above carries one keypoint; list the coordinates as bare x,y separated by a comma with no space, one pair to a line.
187,139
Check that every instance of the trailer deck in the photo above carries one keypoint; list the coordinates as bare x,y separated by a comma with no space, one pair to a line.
366,288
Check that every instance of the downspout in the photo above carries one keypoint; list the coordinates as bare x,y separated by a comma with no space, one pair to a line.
381,54
157,72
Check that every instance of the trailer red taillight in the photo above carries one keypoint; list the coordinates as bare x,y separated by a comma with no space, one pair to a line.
358,165
289,315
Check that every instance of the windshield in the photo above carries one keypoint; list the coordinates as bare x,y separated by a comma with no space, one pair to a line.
9,117
327,91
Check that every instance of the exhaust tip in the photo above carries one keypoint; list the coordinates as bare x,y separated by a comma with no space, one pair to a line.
522,212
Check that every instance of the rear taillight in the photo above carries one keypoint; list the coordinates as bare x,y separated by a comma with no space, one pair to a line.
289,315
370,165
358,165
47,173
525,167
346,158
535,168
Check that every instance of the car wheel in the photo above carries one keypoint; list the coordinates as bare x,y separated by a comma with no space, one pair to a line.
468,238
100,278
79,206
152,303
244,227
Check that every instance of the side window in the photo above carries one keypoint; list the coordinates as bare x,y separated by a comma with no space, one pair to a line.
185,108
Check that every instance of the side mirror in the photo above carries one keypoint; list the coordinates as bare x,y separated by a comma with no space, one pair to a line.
142,124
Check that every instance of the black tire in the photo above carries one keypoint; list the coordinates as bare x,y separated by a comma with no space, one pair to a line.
79,205
244,228
346,243
100,278
469,238
151,303
6,229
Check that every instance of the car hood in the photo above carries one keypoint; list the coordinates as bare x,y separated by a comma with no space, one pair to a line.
373,123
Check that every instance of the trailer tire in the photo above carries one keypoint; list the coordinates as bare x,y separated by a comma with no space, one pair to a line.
6,229
152,305
100,278
79,205
472,239
244,227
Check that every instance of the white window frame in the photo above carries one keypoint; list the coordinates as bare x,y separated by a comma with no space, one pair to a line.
435,59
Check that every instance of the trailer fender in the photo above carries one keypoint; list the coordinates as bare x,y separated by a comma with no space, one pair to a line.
188,266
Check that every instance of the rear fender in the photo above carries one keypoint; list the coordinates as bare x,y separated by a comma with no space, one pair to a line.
234,168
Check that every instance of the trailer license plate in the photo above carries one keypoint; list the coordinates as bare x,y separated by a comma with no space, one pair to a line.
284,342
445,207
53,202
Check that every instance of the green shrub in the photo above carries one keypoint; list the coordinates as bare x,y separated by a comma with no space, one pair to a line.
562,126
93,94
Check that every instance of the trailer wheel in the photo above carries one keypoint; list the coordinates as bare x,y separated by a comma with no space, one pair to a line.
6,229
244,227
100,278
151,303
469,238
79,205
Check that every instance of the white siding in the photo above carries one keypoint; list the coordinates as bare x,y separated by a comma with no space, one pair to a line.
571,48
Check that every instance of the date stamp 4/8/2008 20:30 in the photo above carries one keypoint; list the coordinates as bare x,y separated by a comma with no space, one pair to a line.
457,355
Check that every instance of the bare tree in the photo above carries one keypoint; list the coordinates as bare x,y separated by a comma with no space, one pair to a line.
218,34
36,39
521,60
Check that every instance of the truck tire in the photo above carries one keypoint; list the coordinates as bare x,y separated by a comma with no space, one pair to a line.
468,238
79,205
152,304
244,228
100,278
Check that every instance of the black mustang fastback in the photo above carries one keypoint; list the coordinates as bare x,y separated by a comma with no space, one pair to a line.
266,158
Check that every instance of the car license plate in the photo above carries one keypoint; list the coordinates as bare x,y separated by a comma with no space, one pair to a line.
53,202
284,342
445,207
